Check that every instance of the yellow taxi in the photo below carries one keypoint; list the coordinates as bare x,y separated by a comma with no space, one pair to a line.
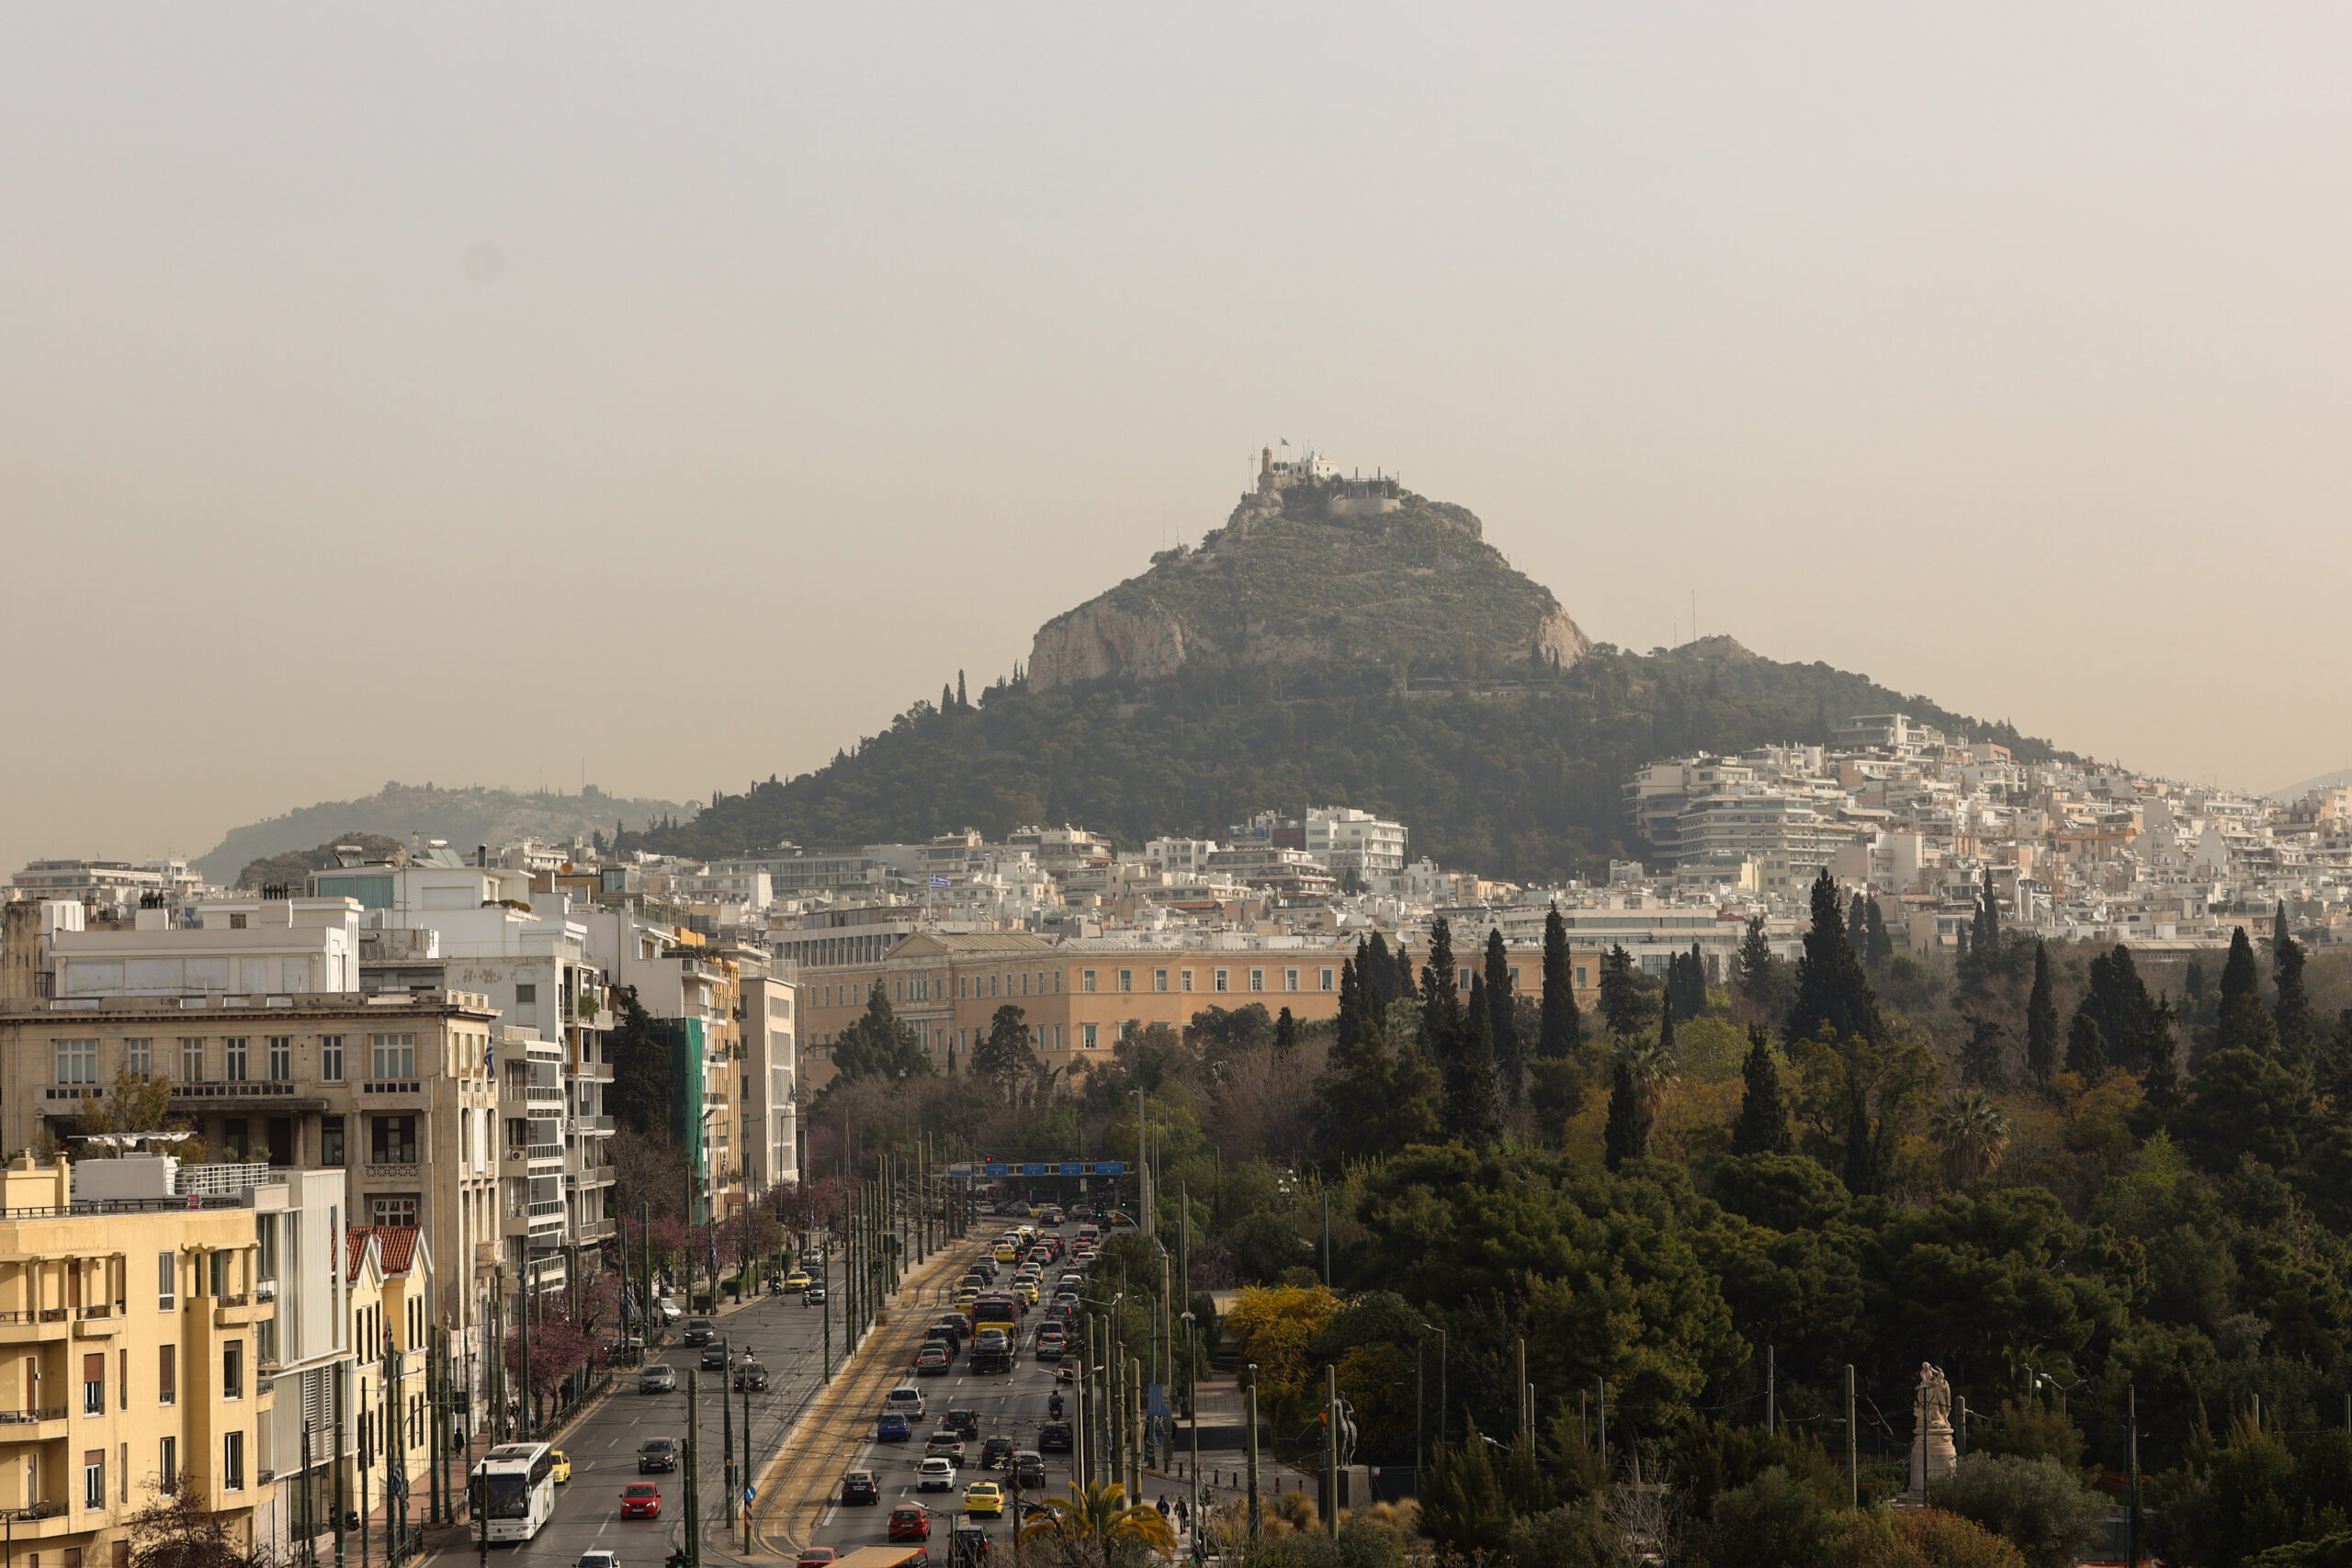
982,1499
966,1301
1005,1254
562,1461
796,1280
1027,1291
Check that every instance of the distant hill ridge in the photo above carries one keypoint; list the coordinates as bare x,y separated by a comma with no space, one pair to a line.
469,816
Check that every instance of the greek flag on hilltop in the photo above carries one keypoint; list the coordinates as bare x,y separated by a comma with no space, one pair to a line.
937,880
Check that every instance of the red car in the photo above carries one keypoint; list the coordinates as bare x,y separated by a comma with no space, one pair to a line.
815,1557
909,1524
641,1500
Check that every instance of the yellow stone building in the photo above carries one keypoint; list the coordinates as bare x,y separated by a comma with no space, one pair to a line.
128,1322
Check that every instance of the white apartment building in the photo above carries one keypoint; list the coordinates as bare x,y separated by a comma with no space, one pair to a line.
1343,838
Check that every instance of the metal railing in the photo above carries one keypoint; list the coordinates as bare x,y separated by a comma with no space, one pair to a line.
393,1086
218,1179
28,1418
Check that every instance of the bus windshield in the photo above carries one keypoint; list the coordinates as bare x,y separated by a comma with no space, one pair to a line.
510,1496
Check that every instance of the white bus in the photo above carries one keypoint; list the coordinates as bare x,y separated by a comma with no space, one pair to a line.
520,1478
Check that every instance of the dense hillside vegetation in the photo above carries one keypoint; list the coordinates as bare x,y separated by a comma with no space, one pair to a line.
1514,770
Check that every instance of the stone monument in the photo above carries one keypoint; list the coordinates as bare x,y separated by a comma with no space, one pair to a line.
1932,1454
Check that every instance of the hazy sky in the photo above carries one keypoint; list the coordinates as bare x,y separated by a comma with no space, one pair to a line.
483,393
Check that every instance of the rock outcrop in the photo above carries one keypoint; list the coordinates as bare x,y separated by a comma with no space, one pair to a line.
1411,586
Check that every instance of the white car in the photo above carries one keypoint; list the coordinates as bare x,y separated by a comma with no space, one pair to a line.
669,1310
935,1476
597,1560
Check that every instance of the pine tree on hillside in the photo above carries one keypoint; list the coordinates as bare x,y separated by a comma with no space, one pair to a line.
2160,1085
1754,969
2040,1020
1763,1125
2245,1023
2118,1000
1502,1025
1563,1020
1980,1059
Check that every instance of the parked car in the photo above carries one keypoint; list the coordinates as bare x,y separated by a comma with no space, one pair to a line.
699,1331
893,1427
641,1500
657,1454
909,1524
1053,1438
657,1379
859,1486
935,1476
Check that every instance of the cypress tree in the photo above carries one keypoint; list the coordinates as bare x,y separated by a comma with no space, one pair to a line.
1473,1108
1440,991
1832,991
1285,1030
1625,1137
961,701
1622,1001
2244,1023
1991,939
1867,1156
2160,1085
1881,945
1401,987
2118,1001
1857,921
1376,975
1980,1059
1763,1124
2298,1032
1347,1028
2085,1047
1963,933
1756,962
1502,1027
1563,1020
946,700
2040,1020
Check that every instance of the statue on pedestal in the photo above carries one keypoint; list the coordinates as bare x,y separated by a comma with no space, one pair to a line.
1932,1454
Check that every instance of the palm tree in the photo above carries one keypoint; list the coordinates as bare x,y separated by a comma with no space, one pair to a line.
1099,1519
1649,1061
1973,1134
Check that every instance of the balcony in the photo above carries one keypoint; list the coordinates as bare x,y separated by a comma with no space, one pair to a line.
598,1230
592,1124
411,1087
32,1425
393,1171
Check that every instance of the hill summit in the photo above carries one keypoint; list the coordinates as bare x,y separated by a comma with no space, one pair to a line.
1309,568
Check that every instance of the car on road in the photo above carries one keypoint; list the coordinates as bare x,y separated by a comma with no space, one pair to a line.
968,1547
597,1560
699,1331
1051,1343
910,1524
814,1295
995,1452
893,1429
657,1454
714,1356
947,1442
859,1486
1005,1254
641,1500
906,1399
966,1422
1053,1438
670,1312
751,1378
797,1282
657,1379
1029,1469
812,1258
932,1360
935,1474
814,1557
562,1463
983,1499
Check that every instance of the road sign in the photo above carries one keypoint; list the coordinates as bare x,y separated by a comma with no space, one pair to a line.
750,1495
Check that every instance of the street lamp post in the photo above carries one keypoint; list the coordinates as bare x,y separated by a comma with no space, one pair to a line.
1192,1404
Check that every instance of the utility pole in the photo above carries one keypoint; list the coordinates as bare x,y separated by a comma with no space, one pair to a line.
342,1504
2132,1411
523,1363
727,1442
1853,1474
1135,1447
1249,1415
746,1468
693,1470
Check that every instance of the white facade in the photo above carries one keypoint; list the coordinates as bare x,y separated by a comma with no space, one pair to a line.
245,947
1342,838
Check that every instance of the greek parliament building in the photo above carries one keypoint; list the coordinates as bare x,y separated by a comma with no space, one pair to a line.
1078,997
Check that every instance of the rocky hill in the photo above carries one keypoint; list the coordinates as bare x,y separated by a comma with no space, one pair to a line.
1308,570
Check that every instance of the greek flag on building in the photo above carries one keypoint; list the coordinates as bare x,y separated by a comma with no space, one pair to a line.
937,880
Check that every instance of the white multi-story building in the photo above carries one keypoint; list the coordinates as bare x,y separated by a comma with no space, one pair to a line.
1344,839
